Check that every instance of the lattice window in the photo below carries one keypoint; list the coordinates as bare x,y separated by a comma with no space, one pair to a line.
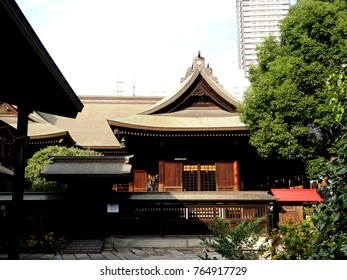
208,177
190,177
197,177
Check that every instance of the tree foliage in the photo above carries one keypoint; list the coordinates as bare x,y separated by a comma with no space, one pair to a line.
41,159
336,89
330,217
324,235
292,241
295,108
286,108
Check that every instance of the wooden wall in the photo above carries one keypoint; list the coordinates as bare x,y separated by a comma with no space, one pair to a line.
293,213
170,176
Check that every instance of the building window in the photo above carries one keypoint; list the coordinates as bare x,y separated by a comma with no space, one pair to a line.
199,177
208,177
190,177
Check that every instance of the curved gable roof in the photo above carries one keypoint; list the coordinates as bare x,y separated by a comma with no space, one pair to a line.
200,103
198,87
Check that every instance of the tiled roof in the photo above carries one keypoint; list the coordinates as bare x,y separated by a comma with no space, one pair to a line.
169,123
90,129
199,104
87,167
38,128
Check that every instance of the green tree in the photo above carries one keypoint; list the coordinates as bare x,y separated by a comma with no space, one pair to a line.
41,159
286,108
295,109
324,235
330,217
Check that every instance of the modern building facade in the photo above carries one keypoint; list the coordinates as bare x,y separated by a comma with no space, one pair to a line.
257,19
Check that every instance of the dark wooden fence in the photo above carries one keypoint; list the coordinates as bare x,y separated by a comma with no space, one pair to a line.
88,216
192,218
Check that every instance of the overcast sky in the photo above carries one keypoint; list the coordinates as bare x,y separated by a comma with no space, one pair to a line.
97,43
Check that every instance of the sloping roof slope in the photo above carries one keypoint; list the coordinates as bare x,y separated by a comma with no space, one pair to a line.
220,196
38,128
5,171
90,129
296,195
29,76
87,167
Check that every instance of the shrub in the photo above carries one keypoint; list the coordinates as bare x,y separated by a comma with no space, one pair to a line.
237,243
292,241
41,244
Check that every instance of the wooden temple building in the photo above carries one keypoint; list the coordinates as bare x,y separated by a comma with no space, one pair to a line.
191,140
170,166
189,155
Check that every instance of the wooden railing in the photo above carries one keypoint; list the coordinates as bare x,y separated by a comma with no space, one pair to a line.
202,213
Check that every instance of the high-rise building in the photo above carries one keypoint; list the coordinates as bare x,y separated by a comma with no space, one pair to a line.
257,19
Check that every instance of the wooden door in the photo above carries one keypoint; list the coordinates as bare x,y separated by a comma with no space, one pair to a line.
170,176
140,181
227,176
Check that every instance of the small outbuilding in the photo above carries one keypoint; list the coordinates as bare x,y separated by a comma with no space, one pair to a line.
89,181
291,202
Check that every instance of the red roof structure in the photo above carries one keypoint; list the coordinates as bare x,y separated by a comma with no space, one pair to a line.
296,195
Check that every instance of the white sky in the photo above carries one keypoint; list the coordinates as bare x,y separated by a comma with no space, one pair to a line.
94,42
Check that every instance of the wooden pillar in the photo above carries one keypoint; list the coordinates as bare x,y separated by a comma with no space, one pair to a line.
236,176
161,176
19,158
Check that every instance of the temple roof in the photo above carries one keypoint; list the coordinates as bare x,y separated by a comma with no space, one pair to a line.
90,129
38,128
177,124
200,103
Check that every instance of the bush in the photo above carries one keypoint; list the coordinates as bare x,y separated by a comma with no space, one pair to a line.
237,243
292,241
44,243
